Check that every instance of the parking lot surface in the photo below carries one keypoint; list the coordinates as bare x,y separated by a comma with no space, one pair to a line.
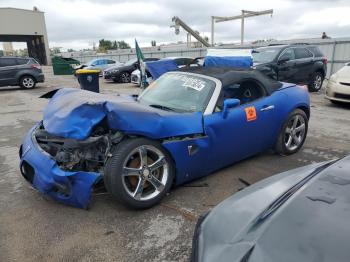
35,228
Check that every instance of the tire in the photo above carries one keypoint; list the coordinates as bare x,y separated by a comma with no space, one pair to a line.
125,77
134,181
316,82
292,135
27,82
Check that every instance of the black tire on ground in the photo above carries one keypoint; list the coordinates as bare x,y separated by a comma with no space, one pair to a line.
316,82
292,131
125,77
119,185
27,82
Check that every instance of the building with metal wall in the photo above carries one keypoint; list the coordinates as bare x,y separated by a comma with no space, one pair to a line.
20,25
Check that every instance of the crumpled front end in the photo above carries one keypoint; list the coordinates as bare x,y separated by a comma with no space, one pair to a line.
40,169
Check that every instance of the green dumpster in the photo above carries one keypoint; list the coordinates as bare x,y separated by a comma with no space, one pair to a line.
64,66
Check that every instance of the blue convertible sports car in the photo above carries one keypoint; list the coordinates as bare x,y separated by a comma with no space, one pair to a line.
187,124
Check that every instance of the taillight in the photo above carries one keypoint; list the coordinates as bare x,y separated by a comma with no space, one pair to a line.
37,66
325,61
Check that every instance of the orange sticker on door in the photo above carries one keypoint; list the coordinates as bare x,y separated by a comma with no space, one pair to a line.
250,113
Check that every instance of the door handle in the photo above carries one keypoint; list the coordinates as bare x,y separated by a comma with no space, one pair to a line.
266,108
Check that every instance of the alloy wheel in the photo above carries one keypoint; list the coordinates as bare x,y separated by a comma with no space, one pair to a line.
294,132
145,173
125,78
317,82
28,82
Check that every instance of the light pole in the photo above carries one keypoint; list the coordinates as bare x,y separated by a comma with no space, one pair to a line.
244,14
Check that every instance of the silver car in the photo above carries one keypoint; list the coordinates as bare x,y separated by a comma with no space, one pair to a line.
101,64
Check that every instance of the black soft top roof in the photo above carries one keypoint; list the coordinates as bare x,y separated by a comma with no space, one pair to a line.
235,75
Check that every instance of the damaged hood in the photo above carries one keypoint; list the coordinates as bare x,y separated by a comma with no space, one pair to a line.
299,215
73,113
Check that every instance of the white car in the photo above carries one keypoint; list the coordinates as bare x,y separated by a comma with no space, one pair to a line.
338,87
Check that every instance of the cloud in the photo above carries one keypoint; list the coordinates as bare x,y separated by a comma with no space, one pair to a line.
75,23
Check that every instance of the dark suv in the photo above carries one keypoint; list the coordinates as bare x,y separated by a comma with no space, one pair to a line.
297,63
122,73
25,72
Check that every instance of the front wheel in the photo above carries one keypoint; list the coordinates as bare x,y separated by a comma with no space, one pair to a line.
139,173
293,133
316,82
125,77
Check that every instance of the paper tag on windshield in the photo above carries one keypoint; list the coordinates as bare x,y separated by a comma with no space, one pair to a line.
193,83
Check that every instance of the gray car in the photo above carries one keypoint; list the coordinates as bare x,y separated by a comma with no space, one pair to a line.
299,215
19,71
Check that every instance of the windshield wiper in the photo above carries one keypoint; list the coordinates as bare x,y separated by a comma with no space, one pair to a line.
162,107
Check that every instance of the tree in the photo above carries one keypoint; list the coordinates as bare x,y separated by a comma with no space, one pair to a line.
123,45
115,45
70,50
104,45
153,43
1,53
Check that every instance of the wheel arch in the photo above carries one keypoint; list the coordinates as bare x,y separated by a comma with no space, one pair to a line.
320,70
305,108
161,142
19,77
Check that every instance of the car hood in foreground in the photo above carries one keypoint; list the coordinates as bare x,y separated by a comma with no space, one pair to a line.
283,219
73,113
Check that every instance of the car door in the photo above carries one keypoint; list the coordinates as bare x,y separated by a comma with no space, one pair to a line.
286,66
247,130
8,70
103,64
304,62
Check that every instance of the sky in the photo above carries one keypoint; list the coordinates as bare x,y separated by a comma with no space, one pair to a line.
78,24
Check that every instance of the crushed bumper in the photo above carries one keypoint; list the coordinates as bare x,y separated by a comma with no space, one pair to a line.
39,169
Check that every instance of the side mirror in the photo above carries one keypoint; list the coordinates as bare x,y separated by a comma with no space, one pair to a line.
283,60
230,103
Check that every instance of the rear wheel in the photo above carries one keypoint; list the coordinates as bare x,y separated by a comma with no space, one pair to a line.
139,173
293,133
316,82
27,82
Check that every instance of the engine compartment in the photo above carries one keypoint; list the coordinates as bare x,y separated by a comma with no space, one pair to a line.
88,155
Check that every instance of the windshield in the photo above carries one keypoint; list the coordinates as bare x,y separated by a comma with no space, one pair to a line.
179,92
265,55
92,62
130,62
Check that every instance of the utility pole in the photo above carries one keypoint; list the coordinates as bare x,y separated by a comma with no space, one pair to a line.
244,14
